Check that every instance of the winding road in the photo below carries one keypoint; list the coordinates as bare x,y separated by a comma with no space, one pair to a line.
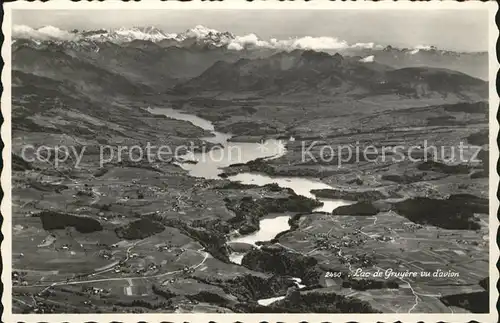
65,282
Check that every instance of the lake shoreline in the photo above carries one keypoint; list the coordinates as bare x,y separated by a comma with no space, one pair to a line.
196,166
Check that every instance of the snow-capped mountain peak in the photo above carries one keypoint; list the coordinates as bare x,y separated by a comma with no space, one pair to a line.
205,35
199,32
119,35
142,33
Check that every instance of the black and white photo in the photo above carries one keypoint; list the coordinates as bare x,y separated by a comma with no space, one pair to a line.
227,161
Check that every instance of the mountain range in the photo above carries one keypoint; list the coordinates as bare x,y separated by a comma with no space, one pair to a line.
204,38
203,61
309,72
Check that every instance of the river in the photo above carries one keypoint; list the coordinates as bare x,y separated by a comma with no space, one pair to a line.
208,164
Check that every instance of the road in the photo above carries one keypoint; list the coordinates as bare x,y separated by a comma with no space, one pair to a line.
64,282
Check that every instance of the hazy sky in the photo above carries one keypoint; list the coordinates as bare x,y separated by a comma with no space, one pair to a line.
447,29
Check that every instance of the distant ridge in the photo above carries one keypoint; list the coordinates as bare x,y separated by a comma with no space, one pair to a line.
310,72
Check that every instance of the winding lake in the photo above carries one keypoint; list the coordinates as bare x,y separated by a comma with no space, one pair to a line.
209,165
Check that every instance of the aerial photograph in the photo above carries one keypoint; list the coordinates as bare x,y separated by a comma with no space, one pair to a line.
250,161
